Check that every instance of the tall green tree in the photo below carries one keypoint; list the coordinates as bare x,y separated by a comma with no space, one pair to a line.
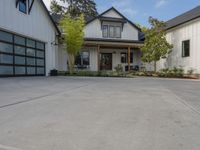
77,7
72,38
55,8
155,45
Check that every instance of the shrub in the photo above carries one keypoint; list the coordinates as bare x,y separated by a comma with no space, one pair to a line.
175,72
190,71
119,69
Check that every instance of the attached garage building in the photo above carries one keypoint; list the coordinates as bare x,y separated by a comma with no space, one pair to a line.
27,38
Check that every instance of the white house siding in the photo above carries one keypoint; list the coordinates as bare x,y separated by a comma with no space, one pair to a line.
112,14
93,29
62,59
36,25
189,31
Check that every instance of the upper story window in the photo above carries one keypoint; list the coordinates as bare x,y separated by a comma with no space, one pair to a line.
105,31
109,31
22,6
186,48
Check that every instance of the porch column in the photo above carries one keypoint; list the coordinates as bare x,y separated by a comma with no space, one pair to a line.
98,58
129,58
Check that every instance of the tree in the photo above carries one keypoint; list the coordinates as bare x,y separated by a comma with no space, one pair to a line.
56,8
77,7
155,45
72,38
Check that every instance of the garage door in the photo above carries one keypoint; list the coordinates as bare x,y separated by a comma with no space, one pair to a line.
21,56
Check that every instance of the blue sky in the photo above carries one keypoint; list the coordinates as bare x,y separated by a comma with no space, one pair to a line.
138,11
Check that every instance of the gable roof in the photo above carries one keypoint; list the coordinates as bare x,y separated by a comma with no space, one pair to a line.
184,18
54,24
112,8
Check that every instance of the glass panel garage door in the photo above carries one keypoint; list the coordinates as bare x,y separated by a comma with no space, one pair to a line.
20,56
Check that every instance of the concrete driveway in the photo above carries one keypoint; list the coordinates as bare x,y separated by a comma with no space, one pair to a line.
99,114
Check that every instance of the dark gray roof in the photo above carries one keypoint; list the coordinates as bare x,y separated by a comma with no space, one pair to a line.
184,18
113,40
112,8
57,18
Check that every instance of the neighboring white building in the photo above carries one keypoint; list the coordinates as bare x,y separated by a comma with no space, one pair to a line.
27,38
184,33
110,39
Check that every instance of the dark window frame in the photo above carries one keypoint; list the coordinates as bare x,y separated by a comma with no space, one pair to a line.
119,31
114,31
107,28
22,4
80,56
185,52
26,56
111,26
126,57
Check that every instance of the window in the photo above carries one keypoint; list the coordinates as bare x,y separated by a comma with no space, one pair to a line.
19,50
7,48
105,31
6,70
19,60
83,59
30,52
19,40
31,70
40,45
111,31
124,57
186,48
6,59
30,61
22,6
7,37
118,32
20,70
30,43
86,58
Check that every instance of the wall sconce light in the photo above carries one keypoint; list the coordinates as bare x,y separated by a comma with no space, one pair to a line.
54,43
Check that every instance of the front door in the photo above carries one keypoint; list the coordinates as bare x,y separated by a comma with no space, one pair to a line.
106,61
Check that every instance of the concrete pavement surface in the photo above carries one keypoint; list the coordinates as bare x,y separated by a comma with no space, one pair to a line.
79,113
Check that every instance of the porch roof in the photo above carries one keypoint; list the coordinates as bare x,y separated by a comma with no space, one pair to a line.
113,42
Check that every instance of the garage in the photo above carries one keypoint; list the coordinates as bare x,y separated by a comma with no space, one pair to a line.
21,56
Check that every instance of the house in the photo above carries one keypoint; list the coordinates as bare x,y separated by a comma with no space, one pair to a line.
27,38
184,33
110,39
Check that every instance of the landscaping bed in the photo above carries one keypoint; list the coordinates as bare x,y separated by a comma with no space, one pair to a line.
164,73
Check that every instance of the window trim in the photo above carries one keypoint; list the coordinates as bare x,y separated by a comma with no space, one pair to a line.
107,31
81,57
126,59
21,2
183,48
113,31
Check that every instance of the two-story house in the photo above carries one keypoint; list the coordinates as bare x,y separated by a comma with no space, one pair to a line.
27,38
110,39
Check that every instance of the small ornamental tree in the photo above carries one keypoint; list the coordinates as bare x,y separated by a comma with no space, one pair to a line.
72,38
155,45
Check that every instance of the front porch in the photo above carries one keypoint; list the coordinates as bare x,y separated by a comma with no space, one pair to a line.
108,54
